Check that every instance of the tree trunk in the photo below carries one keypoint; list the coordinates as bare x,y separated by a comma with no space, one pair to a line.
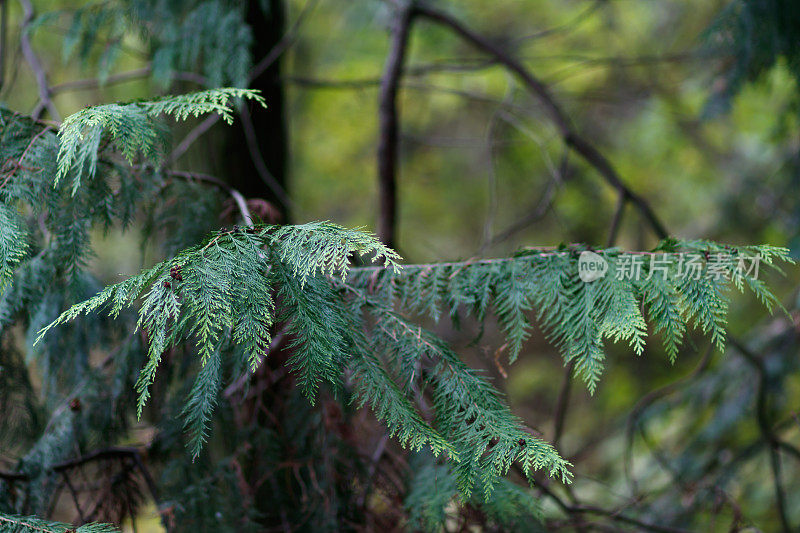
259,142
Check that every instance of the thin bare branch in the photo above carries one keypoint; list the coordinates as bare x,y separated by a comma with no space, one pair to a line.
616,222
241,203
560,414
286,41
74,493
122,77
771,439
36,66
570,135
537,213
94,83
190,138
388,124
651,397
615,515
258,159
257,70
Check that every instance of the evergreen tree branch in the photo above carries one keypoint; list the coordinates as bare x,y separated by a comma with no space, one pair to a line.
134,128
221,292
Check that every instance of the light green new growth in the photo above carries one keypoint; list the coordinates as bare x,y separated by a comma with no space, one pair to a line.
134,128
326,247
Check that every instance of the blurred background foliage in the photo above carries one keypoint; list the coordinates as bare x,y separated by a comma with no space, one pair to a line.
694,102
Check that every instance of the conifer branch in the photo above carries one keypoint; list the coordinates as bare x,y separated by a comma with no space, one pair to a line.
134,128
222,296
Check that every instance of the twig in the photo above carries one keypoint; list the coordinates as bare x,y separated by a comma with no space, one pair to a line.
613,233
562,404
388,124
103,453
491,210
542,208
369,83
74,494
258,160
534,253
35,64
122,77
286,41
611,514
239,384
570,136
373,464
190,138
772,441
241,203
151,486
91,83
18,165
317,83
257,70
648,399
97,455
27,525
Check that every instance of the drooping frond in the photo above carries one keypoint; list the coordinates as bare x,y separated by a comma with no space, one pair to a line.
224,288
319,327
134,127
209,37
512,303
376,388
13,244
350,331
432,491
471,413
680,283
326,247
201,402
664,304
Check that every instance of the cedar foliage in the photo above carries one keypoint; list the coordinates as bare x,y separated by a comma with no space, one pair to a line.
204,318
352,328
30,524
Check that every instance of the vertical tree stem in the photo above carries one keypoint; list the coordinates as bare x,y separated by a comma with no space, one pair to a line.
389,125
